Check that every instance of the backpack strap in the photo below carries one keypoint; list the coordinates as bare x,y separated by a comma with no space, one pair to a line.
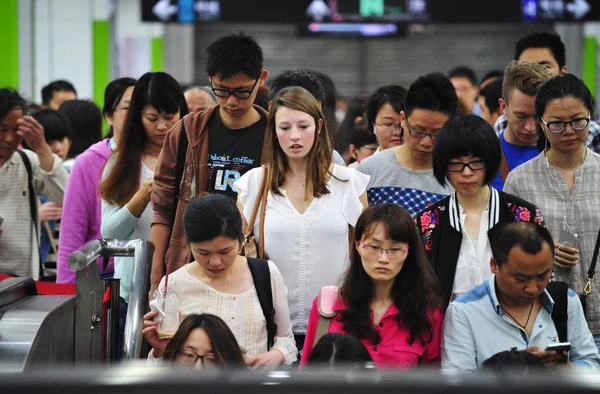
504,169
262,282
32,204
558,291
325,300
182,148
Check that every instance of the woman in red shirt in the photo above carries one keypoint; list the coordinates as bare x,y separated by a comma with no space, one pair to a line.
389,297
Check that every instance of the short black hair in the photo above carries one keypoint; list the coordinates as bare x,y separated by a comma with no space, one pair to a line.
234,54
85,122
466,135
301,78
432,92
56,125
492,74
362,136
527,236
463,72
211,216
59,85
394,95
338,349
10,100
491,93
551,41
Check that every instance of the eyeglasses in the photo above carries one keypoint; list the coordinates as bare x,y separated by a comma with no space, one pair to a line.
558,127
389,127
189,358
474,165
373,250
420,134
238,94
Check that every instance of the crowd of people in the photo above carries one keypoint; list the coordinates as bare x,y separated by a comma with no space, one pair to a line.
450,223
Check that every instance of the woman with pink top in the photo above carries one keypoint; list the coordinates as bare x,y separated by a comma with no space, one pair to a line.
82,205
388,298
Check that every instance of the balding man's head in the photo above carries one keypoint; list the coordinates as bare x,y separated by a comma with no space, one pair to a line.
199,98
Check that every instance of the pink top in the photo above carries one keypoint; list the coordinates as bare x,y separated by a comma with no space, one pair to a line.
393,351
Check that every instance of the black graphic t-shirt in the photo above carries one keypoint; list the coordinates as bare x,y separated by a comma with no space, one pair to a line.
232,153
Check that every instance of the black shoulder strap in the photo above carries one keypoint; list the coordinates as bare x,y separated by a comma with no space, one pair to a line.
32,202
262,281
180,167
558,291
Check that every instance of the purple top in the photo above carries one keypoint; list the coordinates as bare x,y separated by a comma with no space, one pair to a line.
82,211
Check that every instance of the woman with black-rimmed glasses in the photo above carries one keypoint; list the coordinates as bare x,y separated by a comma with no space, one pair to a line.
457,230
204,341
564,180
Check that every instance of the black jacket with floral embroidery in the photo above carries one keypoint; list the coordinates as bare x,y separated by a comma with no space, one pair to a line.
440,227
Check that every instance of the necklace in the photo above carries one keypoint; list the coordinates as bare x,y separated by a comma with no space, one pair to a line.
302,185
516,321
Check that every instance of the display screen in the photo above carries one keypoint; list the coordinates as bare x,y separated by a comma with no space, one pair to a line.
304,12
352,30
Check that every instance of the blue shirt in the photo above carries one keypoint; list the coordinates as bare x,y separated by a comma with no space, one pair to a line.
476,328
515,156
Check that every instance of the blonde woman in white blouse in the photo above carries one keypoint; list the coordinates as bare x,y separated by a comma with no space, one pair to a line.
220,282
312,204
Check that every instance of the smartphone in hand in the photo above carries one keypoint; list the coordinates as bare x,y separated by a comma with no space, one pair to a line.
559,347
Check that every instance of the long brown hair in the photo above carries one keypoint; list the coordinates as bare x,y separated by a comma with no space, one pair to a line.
224,345
161,91
319,157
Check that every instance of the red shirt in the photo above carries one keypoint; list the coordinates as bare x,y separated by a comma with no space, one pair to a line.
393,350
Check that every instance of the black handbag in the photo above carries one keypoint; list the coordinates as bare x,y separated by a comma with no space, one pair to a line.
590,277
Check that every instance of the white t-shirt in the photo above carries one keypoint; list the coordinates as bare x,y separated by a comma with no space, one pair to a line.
310,249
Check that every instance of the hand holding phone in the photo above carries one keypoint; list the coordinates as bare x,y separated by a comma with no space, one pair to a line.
559,347
566,252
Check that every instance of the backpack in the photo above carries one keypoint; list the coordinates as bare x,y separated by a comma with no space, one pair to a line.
262,282
558,291
325,300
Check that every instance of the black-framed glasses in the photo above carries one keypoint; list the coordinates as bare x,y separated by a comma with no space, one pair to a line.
238,94
389,127
420,134
474,165
190,358
557,127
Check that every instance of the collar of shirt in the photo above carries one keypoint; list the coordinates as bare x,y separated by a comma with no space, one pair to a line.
547,301
493,210
112,144
340,305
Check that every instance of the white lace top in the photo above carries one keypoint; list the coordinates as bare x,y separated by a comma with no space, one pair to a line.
242,312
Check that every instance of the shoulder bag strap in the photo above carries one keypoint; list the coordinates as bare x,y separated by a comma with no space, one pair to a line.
558,291
263,209
32,205
180,167
504,169
591,272
262,282
252,220
324,320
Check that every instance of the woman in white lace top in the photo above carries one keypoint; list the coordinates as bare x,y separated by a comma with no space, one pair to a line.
221,283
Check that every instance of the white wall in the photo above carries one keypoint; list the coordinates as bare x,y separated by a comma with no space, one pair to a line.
134,39
56,42
63,44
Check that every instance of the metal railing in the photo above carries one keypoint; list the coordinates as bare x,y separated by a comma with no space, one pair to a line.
90,291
